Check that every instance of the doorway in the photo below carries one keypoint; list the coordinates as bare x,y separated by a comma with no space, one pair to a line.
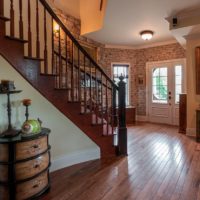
165,81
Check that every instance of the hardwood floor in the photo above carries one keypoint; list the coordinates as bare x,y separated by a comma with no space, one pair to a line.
162,164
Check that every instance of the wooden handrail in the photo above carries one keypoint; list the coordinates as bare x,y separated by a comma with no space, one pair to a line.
70,66
59,22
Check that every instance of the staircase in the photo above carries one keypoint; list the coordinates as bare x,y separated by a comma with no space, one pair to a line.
55,64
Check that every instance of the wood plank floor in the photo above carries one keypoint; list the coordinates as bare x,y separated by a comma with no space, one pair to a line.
162,165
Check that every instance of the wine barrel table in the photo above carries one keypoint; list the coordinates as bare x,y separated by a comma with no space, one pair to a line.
24,166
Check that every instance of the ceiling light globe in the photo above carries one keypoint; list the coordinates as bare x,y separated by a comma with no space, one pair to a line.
146,35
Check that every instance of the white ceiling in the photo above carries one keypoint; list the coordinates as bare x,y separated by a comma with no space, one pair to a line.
126,18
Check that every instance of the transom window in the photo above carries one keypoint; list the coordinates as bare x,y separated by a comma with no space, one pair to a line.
118,70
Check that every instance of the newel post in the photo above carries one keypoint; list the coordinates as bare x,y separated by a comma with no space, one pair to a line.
114,106
122,135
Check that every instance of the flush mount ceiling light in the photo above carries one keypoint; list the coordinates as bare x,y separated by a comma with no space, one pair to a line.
146,35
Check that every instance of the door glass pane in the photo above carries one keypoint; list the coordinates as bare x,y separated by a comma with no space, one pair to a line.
159,85
163,71
163,80
178,89
178,82
178,70
163,92
156,72
154,80
156,91
177,98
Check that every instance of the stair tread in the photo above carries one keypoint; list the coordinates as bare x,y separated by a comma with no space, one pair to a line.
62,88
16,39
74,102
33,58
42,74
86,113
4,18
100,124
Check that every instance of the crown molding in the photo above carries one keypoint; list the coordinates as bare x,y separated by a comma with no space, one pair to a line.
107,46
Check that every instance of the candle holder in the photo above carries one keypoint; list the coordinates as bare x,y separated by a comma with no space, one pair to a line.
10,132
7,85
26,103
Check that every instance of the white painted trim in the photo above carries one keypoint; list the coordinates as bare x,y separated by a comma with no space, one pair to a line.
191,132
141,118
108,46
166,61
75,158
149,64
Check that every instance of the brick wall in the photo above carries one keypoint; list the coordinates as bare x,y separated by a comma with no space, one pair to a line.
74,26
138,59
121,56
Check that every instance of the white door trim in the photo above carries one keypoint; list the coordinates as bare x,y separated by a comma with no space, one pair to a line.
149,64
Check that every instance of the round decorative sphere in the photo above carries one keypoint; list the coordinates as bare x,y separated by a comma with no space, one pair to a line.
31,126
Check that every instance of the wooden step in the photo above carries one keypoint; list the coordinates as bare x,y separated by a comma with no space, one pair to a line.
16,39
33,58
4,18
86,113
75,102
63,89
99,124
42,74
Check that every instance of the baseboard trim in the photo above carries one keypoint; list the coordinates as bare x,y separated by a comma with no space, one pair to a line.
74,158
191,132
141,118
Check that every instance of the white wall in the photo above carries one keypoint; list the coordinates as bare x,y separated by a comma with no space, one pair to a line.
193,100
69,144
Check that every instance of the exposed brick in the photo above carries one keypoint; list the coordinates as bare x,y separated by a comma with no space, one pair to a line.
137,59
